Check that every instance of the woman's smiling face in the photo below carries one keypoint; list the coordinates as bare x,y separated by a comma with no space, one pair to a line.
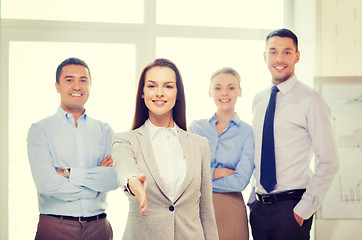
160,91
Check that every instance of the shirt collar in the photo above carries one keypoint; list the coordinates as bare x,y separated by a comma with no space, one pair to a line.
65,115
285,86
235,119
153,130
213,119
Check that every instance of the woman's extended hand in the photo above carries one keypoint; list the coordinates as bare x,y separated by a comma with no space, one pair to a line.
137,187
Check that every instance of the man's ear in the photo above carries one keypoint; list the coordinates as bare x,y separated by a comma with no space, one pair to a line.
57,87
297,57
265,56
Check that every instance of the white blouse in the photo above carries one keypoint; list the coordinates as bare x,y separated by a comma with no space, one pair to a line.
169,157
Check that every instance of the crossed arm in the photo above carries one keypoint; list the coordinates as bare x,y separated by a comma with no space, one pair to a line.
84,183
107,162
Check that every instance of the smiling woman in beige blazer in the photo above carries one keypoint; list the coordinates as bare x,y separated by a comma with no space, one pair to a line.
174,164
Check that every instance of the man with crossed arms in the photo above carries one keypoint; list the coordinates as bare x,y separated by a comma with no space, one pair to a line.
69,155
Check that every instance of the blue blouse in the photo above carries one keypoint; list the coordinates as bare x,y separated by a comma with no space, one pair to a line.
233,149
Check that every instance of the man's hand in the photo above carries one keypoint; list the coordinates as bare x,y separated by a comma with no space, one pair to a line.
137,187
223,172
61,172
298,219
107,162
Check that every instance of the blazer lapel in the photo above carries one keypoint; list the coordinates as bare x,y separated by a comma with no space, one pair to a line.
149,157
189,153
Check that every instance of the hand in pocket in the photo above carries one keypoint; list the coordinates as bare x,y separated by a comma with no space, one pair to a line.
298,219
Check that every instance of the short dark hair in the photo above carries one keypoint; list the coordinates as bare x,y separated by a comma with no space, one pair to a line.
283,32
70,61
178,111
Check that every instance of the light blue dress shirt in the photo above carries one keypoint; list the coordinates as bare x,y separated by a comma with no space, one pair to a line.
55,143
233,149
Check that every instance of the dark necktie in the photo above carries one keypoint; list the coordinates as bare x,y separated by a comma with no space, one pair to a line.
267,173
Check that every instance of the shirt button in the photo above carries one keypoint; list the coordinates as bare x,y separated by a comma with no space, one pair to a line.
81,163
171,208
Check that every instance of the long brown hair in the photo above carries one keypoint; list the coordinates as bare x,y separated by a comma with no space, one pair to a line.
178,111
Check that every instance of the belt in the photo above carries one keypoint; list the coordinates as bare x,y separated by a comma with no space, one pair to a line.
80,219
279,197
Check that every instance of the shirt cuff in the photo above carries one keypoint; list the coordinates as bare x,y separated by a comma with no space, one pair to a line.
305,210
77,175
126,189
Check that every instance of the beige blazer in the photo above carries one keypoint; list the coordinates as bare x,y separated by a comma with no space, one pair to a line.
191,215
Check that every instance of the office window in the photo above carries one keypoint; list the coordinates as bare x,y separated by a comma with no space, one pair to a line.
116,53
197,59
228,13
32,96
116,11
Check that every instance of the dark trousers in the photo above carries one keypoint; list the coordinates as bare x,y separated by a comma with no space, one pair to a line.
277,222
54,228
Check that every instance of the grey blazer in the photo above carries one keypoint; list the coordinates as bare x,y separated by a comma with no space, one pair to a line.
191,216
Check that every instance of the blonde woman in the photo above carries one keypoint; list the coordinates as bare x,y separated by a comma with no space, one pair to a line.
232,152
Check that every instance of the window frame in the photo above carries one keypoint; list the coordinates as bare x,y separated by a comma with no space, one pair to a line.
142,35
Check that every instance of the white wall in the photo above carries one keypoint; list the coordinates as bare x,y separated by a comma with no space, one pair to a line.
340,50
340,37
330,36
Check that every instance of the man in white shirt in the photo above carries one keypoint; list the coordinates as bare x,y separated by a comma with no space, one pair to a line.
284,208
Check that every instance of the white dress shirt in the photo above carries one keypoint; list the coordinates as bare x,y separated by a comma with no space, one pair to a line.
169,157
301,127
